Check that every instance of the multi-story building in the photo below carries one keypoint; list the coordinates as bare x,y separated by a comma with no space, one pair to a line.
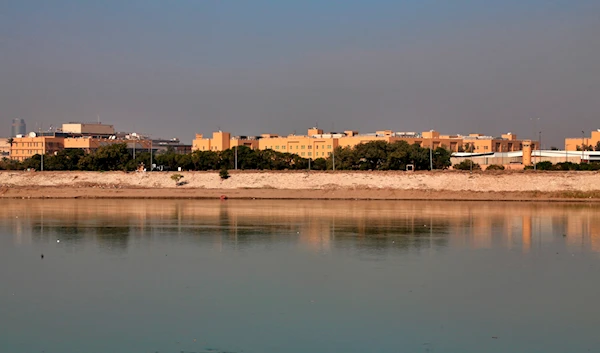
478,143
18,128
588,143
26,147
86,136
317,144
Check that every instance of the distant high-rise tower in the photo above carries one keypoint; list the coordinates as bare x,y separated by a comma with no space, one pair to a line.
18,127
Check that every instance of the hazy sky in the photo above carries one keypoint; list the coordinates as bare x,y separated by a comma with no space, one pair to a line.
176,68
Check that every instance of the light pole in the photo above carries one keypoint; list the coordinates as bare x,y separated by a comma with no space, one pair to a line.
151,154
582,148
333,157
431,155
236,148
471,158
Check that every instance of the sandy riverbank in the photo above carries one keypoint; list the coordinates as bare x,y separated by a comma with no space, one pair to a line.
447,185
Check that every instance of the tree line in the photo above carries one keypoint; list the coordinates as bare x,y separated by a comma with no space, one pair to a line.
375,155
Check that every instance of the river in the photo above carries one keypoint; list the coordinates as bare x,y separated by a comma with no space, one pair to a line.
173,276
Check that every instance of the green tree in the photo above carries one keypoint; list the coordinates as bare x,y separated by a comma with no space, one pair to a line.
441,158
107,158
319,164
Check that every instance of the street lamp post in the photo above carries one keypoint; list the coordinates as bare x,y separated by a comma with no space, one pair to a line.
151,154
471,158
236,148
431,155
333,157
582,148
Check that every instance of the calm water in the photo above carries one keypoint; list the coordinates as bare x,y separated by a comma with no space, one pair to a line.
296,276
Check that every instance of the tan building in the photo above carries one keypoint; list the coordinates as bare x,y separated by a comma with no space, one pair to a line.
27,147
89,129
478,143
314,145
575,143
317,144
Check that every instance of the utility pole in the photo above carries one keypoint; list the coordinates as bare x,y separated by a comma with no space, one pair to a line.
309,159
236,148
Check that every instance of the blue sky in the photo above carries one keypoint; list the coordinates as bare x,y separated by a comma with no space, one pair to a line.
176,68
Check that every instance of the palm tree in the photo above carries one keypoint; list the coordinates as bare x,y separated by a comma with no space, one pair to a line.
11,141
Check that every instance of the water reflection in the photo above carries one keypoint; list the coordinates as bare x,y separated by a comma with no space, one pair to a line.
318,225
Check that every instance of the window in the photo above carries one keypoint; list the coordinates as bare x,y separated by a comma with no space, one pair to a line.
329,146
277,147
485,147
310,147
302,154
328,153
309,154
302,146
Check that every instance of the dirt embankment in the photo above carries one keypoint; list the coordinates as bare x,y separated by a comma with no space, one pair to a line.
449,185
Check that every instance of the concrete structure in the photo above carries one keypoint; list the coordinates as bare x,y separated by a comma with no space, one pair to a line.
18,127
589,143
317,144
88,129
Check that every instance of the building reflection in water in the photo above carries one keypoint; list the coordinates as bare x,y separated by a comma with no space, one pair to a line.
320,226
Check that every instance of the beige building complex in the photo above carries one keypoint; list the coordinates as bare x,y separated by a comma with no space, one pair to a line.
88,137
317,144
588,143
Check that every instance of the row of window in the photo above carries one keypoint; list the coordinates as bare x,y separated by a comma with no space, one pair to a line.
27,152
302,154
283,147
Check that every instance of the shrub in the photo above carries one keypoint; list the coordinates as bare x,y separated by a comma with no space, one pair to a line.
466,165
545,165
495,167
224,174
176,178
